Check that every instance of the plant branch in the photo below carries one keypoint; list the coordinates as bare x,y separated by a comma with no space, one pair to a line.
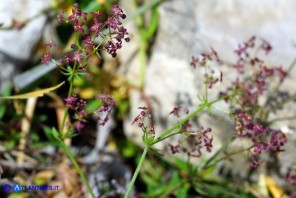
136,172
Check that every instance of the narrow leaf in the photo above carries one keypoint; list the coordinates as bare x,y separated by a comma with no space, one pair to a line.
37,93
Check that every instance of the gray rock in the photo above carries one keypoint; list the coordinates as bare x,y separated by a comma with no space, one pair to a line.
189,27
17,46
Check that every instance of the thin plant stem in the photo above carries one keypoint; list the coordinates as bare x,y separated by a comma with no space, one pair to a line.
215,155
219,189
179,124
136,172
219,109
72,158
173,189
69,94
228,155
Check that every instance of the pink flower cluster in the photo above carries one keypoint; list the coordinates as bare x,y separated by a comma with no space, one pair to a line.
88,34
81,116
145,121
193,143
265,139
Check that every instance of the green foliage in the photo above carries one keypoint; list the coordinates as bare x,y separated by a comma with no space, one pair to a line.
94,105
221,190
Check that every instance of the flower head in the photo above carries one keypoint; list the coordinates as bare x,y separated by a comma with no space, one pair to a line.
74,103
145,121
107,105
46,57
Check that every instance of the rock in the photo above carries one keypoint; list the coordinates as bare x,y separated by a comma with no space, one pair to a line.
191,27
17,45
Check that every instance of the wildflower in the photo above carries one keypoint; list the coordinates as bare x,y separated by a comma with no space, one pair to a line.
194,61
145,121
78,18
50,44
175,111
68,58
112,48
264,139
240,50
239,66
77,57
199,140
46,57
250,43
87,40
215,54
291,177
121,33
79,125
265,46
117,12
61,16
174,149
96,27
282,73
107,105
74,103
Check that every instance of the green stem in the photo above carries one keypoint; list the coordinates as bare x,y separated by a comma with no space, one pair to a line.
179,124
136,172
215,188
173,189
228,155
215,155
71,156
69,94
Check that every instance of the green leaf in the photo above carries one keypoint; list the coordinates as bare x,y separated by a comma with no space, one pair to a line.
55,133
69,69
3,107
70,78
90,6
156,151
152,27
2,111
70,134
181,164
66,73
47,132
149,140
93,105
183,191
210,110
221,189
149,181
81,73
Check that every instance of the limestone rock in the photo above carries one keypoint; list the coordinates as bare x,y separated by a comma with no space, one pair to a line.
17,46
189,27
